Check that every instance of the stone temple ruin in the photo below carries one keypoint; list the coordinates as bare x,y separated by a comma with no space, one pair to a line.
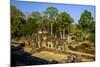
44,40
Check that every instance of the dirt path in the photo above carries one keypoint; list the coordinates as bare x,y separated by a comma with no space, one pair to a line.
50,56
61,57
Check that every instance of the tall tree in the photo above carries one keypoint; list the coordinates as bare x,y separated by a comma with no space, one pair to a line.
51,13
38,19
45,21
85,20
64,21
17,19
87,25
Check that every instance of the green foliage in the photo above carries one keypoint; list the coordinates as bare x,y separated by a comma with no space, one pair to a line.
16,12
92,38
40,20
64,20
36,15
85,20
29,27
52,13
92,27
17,19
53,21
78,34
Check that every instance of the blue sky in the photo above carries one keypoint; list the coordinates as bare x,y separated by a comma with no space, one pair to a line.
74,10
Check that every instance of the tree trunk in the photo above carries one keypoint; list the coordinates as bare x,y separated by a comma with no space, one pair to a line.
51,29
63,33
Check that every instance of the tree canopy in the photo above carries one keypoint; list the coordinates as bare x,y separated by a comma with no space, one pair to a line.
52,21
